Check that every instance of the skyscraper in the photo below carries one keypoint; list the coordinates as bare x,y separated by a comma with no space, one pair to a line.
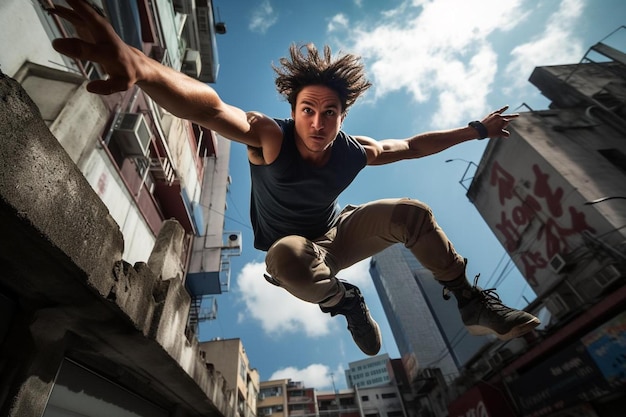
425,326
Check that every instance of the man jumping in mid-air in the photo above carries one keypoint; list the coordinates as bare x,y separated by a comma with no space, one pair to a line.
299,166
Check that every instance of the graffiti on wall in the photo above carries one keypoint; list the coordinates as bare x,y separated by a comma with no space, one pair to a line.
543,203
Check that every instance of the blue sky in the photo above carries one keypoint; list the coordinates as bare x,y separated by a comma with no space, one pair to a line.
434,65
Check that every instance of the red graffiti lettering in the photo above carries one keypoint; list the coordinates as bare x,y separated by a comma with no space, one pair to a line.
555,226
532,261
542,189
504,181
524,213
508,229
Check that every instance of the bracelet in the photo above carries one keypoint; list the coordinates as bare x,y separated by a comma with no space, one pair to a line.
482,130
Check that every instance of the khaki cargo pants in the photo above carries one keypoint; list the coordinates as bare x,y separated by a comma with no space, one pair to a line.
307,268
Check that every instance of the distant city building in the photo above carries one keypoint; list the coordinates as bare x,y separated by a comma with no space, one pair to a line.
416,329
300,400
338,403
272,399
286,398
229,358
369,372
380,401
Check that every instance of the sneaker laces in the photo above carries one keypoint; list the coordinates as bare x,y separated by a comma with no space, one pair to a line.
355,311
357,317
445,291
489,297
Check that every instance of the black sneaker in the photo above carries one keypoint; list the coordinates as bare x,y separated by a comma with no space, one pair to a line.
364,329
484,314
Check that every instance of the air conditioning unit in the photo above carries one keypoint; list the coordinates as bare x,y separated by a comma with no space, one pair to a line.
557,306
557,263
192,63
606,276
233,240
132,134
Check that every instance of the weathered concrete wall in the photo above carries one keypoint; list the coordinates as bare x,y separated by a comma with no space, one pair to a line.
74,296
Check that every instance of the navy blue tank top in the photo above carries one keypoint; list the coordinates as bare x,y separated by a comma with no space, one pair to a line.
291,197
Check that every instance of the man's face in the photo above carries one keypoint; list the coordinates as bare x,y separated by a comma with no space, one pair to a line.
318,118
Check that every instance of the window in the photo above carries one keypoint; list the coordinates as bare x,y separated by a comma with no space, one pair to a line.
365,398
389,395
243,369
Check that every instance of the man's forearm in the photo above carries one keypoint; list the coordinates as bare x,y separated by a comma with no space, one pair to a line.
433,142
181,95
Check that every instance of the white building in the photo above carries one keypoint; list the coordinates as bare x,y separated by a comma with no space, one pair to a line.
369,372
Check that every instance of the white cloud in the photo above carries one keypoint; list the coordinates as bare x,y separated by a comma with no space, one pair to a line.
263,17
337,22
280,312
316,376
358,274
437,50
555,45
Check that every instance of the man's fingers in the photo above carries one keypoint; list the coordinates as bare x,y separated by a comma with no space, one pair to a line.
106,87
67,14
100,28
84,8
71,47
76,48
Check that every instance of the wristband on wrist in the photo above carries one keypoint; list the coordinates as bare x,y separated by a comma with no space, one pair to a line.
482,130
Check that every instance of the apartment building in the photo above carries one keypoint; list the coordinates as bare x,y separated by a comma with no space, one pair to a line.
229,358
104,210
272,399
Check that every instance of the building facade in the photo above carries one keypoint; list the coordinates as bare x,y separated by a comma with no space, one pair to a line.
229,358
369,372
300,400
427,329
144,163
284,398
272,399
123,183
380,401
554,194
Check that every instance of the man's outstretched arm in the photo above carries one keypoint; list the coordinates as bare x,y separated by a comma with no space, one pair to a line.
126,66
392,150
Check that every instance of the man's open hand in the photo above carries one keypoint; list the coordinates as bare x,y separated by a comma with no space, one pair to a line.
496,122
99,43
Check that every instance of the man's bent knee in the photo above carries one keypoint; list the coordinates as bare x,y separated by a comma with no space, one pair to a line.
414,219
291,258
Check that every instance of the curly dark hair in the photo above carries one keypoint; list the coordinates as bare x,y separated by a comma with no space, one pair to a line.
305,66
